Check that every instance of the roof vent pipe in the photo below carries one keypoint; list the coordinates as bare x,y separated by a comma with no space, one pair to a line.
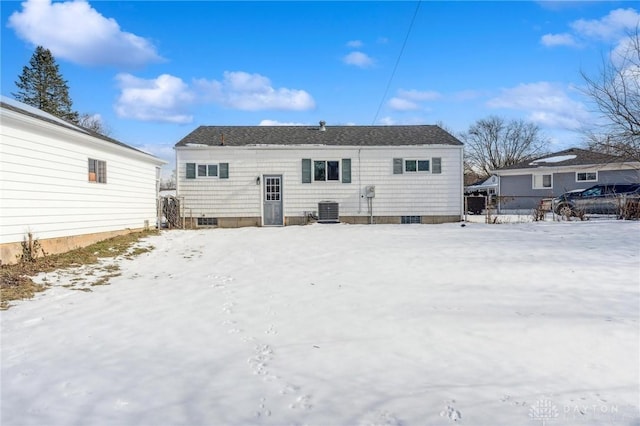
322,126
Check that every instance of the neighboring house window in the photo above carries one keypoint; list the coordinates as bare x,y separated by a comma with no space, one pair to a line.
586,176
97,171
542,181
326,170
416,166
220,170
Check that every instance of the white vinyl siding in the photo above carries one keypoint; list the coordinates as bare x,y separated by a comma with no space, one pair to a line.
46,189
409,194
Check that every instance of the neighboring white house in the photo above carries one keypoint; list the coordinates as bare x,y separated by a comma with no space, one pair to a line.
522,186
232,176
488,187
67,186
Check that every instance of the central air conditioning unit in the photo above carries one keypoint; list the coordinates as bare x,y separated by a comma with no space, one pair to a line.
328,212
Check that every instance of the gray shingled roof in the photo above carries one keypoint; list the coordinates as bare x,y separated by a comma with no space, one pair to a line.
583,157
305,135
44,116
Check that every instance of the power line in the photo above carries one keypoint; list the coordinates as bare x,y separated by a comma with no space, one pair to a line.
395,67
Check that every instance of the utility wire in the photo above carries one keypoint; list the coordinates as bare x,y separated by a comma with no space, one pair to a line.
395,67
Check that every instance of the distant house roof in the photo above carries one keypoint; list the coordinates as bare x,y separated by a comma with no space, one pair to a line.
21,108
331,135
488,183
568,157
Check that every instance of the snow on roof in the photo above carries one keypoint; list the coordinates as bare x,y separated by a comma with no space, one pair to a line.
35,111
556,159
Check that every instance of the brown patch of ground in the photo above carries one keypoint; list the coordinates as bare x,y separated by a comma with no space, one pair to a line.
15,281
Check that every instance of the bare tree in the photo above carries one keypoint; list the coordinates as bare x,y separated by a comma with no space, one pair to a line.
470,175
94,123
492,143
170,182
615,93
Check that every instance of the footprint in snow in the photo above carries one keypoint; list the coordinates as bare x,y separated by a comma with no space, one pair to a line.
270,330
263,410
451,413
302,402
289,389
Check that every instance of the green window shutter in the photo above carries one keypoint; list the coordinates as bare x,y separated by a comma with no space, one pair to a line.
224,171
397,166
191,170
346,170
437,165
306,170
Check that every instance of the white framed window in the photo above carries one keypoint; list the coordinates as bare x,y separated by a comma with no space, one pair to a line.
586,176
542,181
326,170
207,170
425,165
97,171
411,166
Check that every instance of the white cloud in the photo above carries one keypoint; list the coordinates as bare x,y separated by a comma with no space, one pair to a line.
168,98
252,92
558,40
611,27
547,105
163,151
614,27
408,100
625,55
358,59
74,31
163,99
356,44
387,121
416,95
279,123
400,104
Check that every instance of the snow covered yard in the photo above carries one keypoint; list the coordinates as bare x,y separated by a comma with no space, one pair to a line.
514,324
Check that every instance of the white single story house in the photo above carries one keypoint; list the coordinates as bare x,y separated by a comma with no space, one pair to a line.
522,186
68,186
231,176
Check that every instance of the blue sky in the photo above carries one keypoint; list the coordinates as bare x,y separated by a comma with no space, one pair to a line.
154,71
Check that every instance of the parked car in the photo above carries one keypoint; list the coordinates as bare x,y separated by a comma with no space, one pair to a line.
598,199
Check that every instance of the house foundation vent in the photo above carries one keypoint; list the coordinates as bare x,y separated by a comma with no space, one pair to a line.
328,212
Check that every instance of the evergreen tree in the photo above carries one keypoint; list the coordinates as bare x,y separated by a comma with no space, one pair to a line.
41,85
